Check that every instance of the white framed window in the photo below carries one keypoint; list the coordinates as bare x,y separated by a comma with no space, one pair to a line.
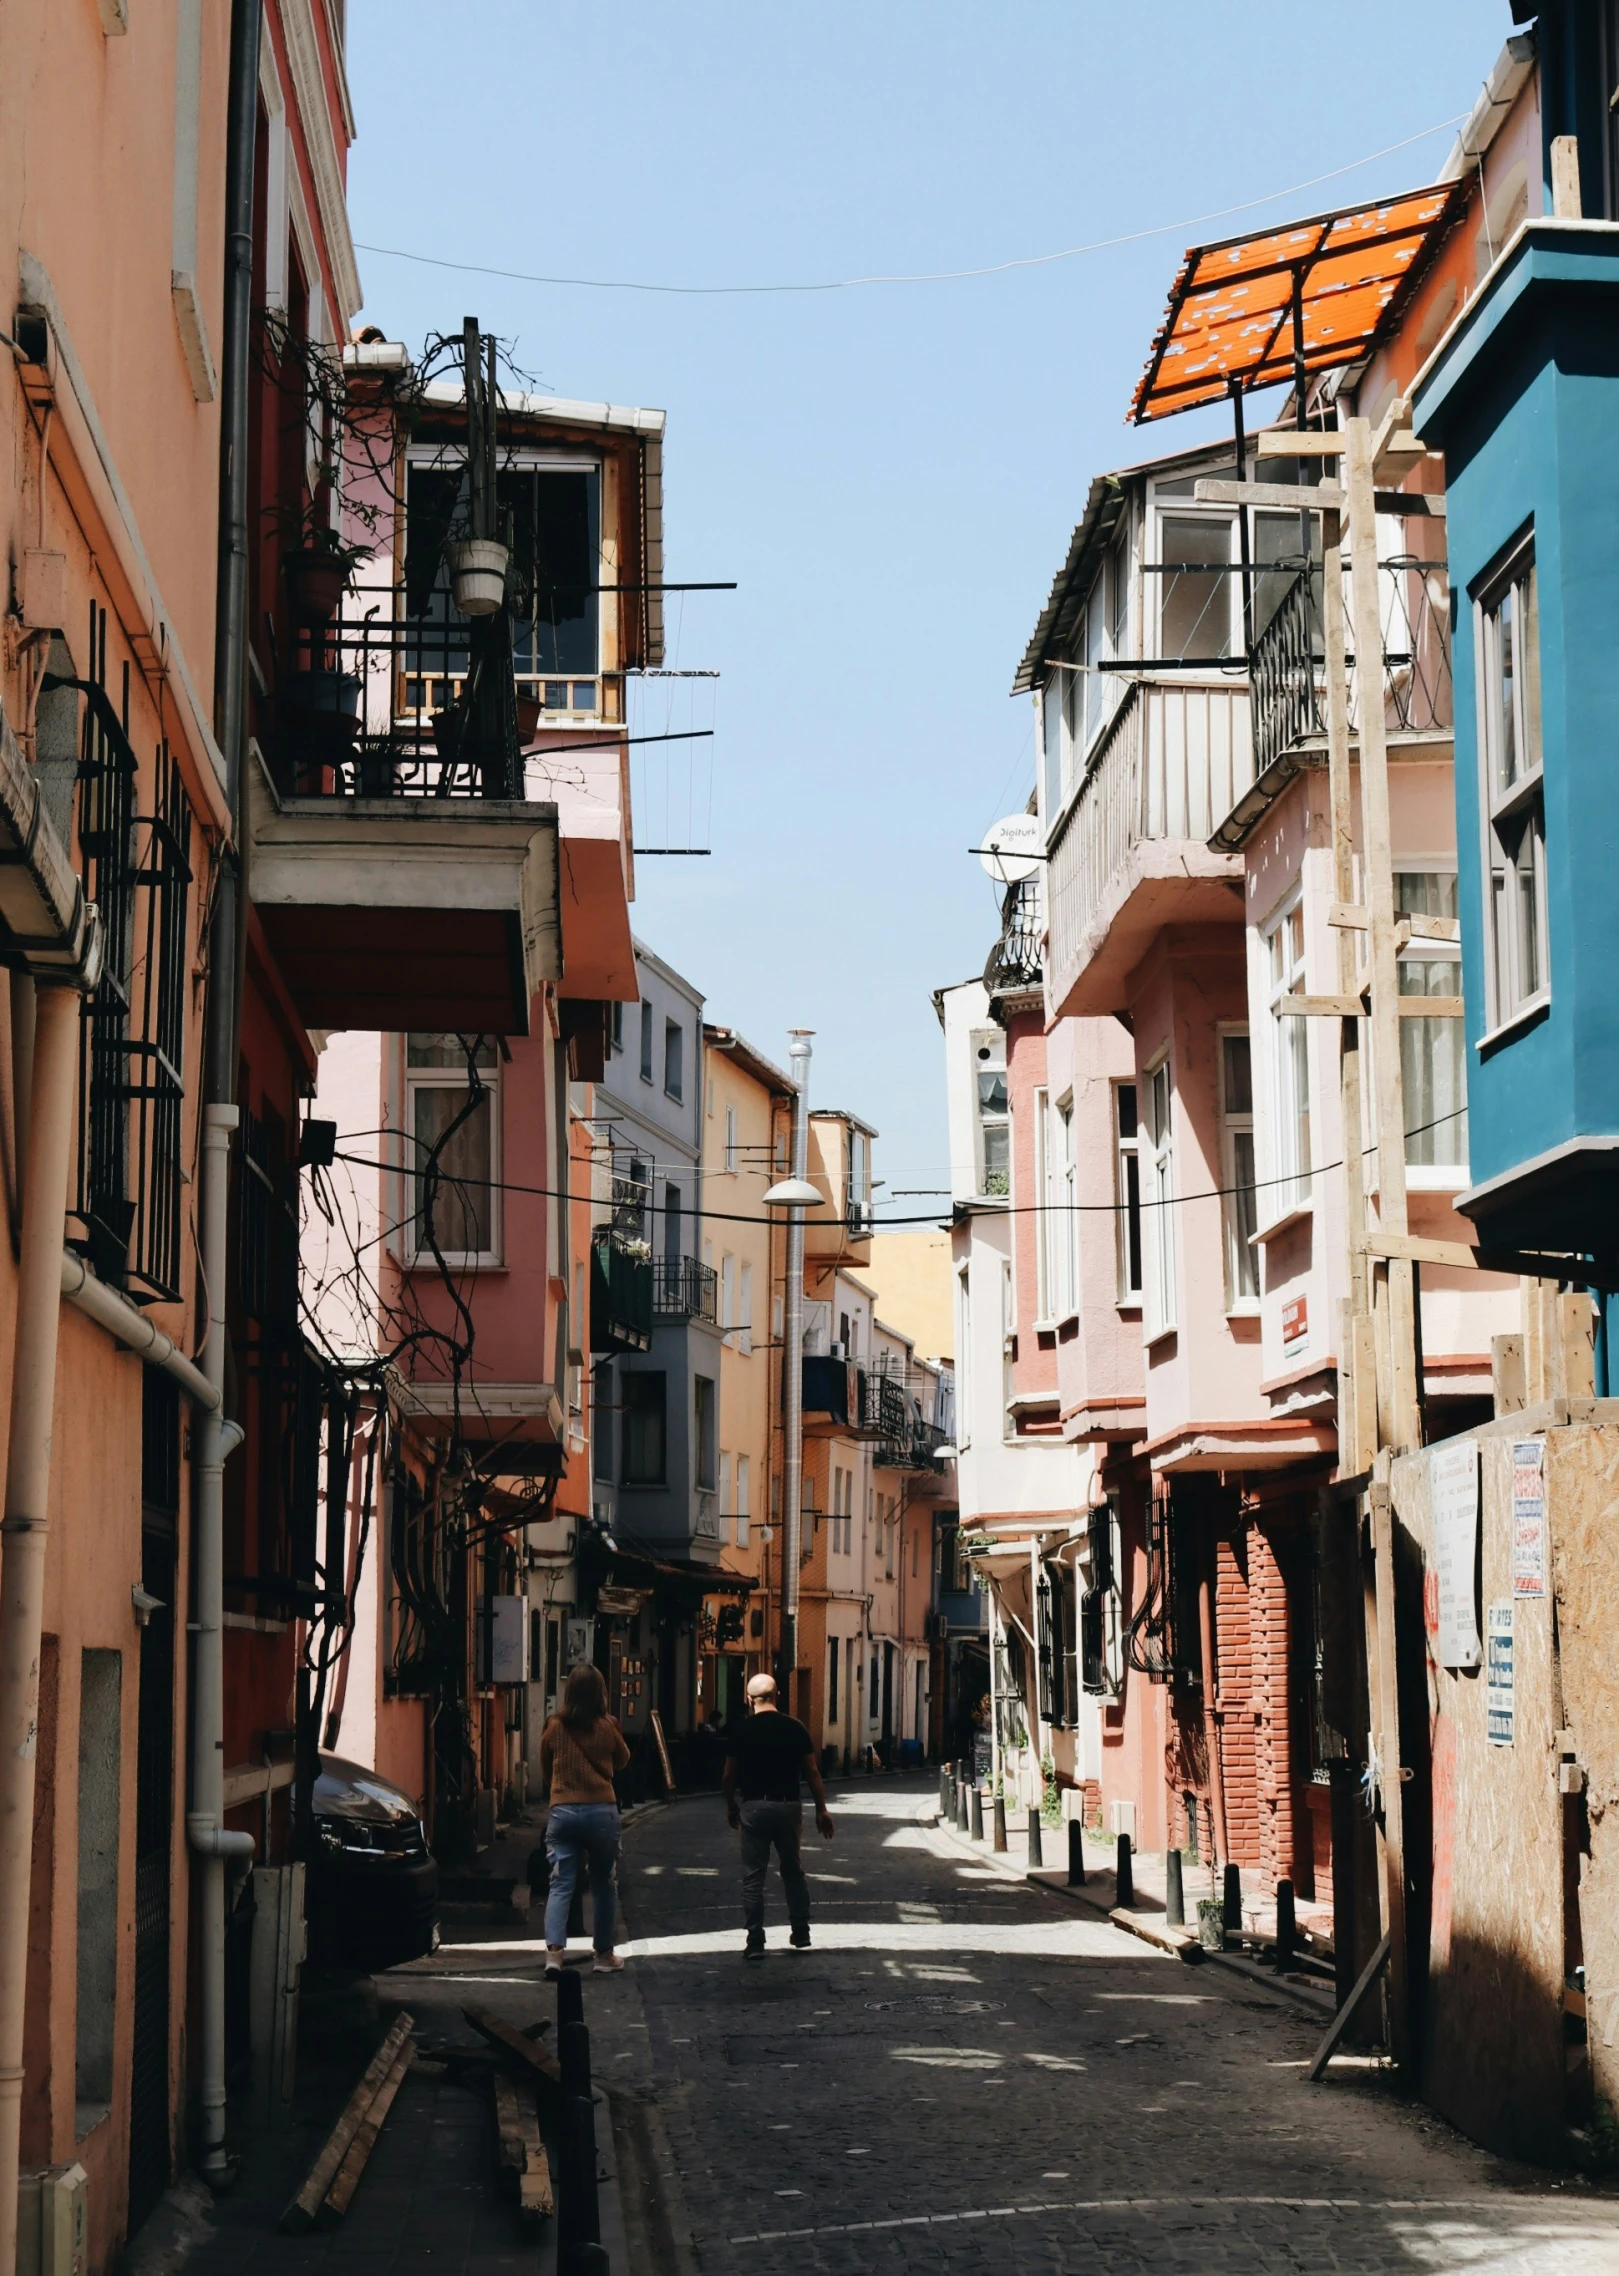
1046,1223
724,1492
1159,1179
858,1208
1127,1192
744,1487
1008,1351
730,1141
1064,1194
728,1295
674,1060
466,1210
1433,1052
1240,1199
840,1518
1195,585
1290,1060
1514,817
994,1117
964,1348
744,1326
646,1042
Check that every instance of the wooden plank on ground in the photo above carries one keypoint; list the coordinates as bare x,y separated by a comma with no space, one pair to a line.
509,2040
336,2201
1340,2022
522,2153
300,2214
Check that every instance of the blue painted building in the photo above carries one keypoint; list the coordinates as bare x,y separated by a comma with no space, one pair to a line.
1523,398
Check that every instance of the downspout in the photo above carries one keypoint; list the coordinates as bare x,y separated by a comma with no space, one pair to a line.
214,1440
25,1530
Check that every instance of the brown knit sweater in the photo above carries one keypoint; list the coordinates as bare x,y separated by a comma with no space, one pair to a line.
579,1765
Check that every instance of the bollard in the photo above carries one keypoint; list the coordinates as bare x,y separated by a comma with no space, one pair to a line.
998,1821
573,2056
570,1999
1076,1853
1036,1854
961,1807
1174,1890
578,2208
1286,1929
1124,1874
1233,1900
976,1815
944,1789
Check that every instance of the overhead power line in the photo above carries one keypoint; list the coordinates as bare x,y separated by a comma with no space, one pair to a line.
921,277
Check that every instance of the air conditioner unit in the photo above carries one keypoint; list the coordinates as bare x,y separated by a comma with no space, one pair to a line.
52,2221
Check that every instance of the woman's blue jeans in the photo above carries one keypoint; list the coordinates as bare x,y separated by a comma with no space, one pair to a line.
575,1830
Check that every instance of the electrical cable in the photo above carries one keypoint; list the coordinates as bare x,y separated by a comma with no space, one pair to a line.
931,1217
931,276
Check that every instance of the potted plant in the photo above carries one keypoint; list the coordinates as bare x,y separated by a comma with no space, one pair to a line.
317,573
477,567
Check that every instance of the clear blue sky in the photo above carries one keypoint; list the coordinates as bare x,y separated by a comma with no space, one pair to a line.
890,473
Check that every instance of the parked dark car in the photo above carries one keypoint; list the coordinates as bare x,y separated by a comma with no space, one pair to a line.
371,1892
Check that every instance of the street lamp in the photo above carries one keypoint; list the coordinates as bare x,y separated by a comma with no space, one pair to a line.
795,1194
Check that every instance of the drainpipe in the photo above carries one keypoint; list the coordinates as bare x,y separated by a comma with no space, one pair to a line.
212,1843
24,1530
214,1439
792,1403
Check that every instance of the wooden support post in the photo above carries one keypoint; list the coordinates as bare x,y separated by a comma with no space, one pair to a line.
1389,1752
1377,861
1345,2015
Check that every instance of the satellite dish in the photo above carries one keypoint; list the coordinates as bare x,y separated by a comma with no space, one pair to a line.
1012,850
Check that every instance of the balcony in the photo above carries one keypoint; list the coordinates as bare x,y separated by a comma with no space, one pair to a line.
404,877
1014,961
621,1294
683,1289
1288,676
1130,852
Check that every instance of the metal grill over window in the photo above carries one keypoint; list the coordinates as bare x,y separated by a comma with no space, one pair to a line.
137,870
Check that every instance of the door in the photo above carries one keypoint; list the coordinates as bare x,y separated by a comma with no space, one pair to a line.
888,1695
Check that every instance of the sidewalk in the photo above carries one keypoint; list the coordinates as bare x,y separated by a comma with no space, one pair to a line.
1147,1917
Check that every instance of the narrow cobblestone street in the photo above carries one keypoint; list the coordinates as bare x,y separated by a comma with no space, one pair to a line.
890,2099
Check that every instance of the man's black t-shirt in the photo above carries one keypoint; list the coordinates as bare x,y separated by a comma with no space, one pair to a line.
768,1751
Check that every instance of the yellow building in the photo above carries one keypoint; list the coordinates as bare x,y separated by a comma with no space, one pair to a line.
915,1283
747,1109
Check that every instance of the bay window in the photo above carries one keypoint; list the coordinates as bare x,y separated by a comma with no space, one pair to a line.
1514,819
466,1204
1433,1064
1159,1164
1284,952
1237,1170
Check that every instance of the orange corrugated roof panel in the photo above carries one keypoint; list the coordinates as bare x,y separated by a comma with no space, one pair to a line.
1231,309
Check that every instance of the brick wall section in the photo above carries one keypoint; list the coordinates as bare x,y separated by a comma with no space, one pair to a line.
1236,1698
1270,1624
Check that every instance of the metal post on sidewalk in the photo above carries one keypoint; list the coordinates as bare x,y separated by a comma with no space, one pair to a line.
1232,1912
961,1806
975,1822
1124,1874
1036,1854
944,1789
1286,1926
1174,1890
1076,1853
998,1822
579,2246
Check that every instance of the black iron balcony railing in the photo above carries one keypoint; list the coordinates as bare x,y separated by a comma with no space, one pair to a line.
1287,676
1014,961
683,1289
380,703
621,1307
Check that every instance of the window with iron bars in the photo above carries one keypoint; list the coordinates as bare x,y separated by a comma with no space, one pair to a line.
137,871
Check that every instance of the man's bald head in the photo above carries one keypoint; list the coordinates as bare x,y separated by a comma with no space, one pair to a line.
762,1691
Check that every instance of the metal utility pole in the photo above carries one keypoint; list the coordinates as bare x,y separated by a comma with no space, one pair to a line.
792,1405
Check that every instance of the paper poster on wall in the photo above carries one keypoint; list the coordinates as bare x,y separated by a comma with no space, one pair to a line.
1453,1500
1529,1517
1498,1674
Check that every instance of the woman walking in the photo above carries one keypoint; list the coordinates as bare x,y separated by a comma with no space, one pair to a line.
580,1750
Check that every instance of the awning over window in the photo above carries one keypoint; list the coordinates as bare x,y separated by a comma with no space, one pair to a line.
1247,313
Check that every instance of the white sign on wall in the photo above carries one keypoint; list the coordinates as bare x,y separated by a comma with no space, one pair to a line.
1529,1517
1453,1500
1498,1684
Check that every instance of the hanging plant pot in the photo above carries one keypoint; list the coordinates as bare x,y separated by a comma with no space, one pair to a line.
324,702
477,574
316,579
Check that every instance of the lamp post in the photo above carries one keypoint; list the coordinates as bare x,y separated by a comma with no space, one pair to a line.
795,1194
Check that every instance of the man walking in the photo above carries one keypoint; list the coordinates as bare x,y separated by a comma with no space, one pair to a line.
768,1756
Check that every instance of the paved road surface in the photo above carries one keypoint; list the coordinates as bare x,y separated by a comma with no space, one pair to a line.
965,2075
